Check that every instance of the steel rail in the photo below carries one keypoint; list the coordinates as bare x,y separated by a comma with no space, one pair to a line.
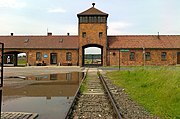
118,114
68,115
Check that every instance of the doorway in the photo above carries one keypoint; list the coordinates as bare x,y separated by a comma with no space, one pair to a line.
53,58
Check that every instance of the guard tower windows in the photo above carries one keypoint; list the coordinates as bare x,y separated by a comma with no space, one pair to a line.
92,19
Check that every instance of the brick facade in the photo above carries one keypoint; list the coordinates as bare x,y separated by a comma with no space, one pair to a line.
61,57
92,38
139,60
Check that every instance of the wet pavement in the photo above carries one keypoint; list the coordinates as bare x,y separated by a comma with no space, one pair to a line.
48,95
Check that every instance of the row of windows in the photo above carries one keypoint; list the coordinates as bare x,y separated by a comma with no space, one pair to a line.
84,34
148,56
53,56
92,19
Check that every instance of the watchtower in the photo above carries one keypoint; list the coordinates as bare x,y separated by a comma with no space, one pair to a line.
92,31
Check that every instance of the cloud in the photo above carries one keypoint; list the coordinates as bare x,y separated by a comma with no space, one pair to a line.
117,27
11,4
57,10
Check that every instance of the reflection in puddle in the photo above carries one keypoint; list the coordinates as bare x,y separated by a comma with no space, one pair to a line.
47,77
50,95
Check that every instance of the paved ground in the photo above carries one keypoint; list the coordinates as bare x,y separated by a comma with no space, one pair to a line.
37,70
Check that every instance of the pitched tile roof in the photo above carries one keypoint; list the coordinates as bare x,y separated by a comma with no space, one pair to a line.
93,11
72,42
146,41
43,42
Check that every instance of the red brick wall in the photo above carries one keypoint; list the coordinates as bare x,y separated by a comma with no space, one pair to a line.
92,37
61,56
113,58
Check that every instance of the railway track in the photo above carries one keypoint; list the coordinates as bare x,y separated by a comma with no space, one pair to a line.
96,101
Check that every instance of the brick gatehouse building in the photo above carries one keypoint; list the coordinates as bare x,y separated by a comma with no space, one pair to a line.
126,50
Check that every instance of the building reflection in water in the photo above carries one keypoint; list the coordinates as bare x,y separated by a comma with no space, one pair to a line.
57,89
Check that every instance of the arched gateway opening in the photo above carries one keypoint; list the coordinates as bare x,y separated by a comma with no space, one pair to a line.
15,58
92,55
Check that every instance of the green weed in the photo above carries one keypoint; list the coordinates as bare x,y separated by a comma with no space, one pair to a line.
156,88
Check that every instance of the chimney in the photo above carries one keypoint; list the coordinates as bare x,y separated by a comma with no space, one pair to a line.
12,34
93,4
49,34
158,36
68,34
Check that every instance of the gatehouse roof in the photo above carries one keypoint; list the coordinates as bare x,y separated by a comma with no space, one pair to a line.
93,11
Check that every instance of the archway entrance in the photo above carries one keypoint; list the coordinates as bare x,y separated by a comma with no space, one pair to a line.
92,55
15,58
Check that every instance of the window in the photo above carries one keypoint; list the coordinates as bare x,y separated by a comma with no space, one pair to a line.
100,34
85,19
80,19
38,56
104,19
101,19
94,19
163,56
68,56
132,56
148,56
83,34
68,76
53,76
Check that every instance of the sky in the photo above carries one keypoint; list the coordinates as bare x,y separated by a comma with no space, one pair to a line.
126,17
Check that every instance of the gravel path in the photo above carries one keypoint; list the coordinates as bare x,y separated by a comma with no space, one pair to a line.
93,103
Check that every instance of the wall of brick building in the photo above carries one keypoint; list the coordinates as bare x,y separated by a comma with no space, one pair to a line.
113,57
61,57
92,37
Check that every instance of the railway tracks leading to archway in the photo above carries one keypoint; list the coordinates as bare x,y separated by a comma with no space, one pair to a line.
96,101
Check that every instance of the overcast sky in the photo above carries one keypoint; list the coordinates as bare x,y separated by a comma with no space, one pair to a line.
126,17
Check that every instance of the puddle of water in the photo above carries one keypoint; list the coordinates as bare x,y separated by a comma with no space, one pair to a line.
50,100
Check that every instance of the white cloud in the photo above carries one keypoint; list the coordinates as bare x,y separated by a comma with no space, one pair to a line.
115,28
57,10
12,4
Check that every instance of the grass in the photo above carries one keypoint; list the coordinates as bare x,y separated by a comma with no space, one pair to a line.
157,89
21,61
83,87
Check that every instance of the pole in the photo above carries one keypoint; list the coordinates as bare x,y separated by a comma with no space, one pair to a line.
119,60
144,56
2,63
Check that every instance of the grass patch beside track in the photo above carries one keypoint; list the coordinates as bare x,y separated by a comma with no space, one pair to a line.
83,87
157,89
